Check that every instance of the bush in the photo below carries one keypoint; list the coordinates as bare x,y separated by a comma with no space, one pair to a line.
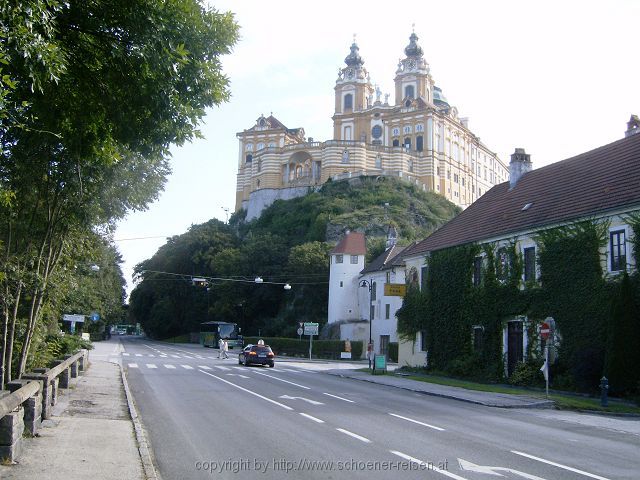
526,374
469,366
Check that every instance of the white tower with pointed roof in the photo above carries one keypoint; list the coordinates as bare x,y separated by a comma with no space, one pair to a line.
347,260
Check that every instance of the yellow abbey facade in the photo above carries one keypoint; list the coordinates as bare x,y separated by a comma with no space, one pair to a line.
419,137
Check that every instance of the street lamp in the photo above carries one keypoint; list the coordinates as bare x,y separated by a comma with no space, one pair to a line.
369,284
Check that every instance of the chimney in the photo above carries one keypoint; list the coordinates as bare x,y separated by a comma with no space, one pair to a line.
519,165
633,126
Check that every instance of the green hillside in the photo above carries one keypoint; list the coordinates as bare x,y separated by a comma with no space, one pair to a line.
289,243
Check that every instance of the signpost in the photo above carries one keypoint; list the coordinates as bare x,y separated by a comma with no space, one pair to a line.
310,329
545,334
395,289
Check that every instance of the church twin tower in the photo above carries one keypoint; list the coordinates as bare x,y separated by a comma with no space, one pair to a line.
419,138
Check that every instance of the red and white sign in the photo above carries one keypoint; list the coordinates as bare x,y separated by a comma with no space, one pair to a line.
545,331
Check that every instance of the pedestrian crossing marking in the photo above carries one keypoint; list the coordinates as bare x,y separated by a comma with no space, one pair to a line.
221,367
125,354
204,367
187,367
133,365
138,354
168,365
151,365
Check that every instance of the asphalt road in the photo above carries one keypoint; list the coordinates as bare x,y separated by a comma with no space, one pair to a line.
211,418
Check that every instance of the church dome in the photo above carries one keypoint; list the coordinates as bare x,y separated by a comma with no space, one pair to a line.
354,59
413,49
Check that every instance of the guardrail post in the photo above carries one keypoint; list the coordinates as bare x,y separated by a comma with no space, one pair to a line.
82,361
55,382
32,406
46,390
65,376
11,429
74,369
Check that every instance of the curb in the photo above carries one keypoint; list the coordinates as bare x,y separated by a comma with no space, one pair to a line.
542,404
143,446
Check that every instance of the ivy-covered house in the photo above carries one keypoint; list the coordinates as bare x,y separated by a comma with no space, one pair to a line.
560,241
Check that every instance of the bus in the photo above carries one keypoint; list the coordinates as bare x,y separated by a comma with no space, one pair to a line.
212,332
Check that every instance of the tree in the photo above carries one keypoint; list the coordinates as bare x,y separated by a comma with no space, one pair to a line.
92,112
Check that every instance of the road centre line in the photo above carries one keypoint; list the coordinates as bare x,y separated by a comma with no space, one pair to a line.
285,381
559,465
422,463
286,407
339,398
317,420
416,421
354,435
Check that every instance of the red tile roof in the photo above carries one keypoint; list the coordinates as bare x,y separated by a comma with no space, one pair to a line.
595,182
353,243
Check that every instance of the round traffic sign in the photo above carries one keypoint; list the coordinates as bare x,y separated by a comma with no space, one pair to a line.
545,331
300,330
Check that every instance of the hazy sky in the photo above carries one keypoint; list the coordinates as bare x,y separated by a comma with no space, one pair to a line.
557,78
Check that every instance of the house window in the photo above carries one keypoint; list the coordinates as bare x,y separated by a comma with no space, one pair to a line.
477,271
341,284
529,264
387,311
395,132
423,340
388,277
478,338
384,344
348,101
354,259
423,278
502,270
618,251
378,161
339,258
249,158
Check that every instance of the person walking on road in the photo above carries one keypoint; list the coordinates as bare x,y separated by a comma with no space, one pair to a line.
220,348
225,349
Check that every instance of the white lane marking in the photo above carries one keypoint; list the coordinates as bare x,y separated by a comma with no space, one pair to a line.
559,465
221,367
354,435
175,356
138,354
125,354
312,402
151,355
164,355
187,356
200,357
288,370
237,375
286,407
212,358
244,369
317,420
151,365
168,365
425,464
339,398
416,421
204,367
285,381
472,467
187,367
133,365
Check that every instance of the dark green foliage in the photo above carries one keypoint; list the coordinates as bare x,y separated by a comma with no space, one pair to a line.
290,347
623,354
527,374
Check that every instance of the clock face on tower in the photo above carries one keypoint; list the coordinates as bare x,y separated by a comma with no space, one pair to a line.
350,73
411,64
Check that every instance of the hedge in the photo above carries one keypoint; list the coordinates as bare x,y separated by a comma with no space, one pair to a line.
293,347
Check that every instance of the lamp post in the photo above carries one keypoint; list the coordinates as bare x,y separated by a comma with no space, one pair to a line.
369,285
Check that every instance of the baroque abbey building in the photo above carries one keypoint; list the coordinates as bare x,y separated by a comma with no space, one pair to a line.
419,137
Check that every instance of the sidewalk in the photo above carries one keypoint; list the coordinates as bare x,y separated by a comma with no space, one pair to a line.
489,399
90,434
